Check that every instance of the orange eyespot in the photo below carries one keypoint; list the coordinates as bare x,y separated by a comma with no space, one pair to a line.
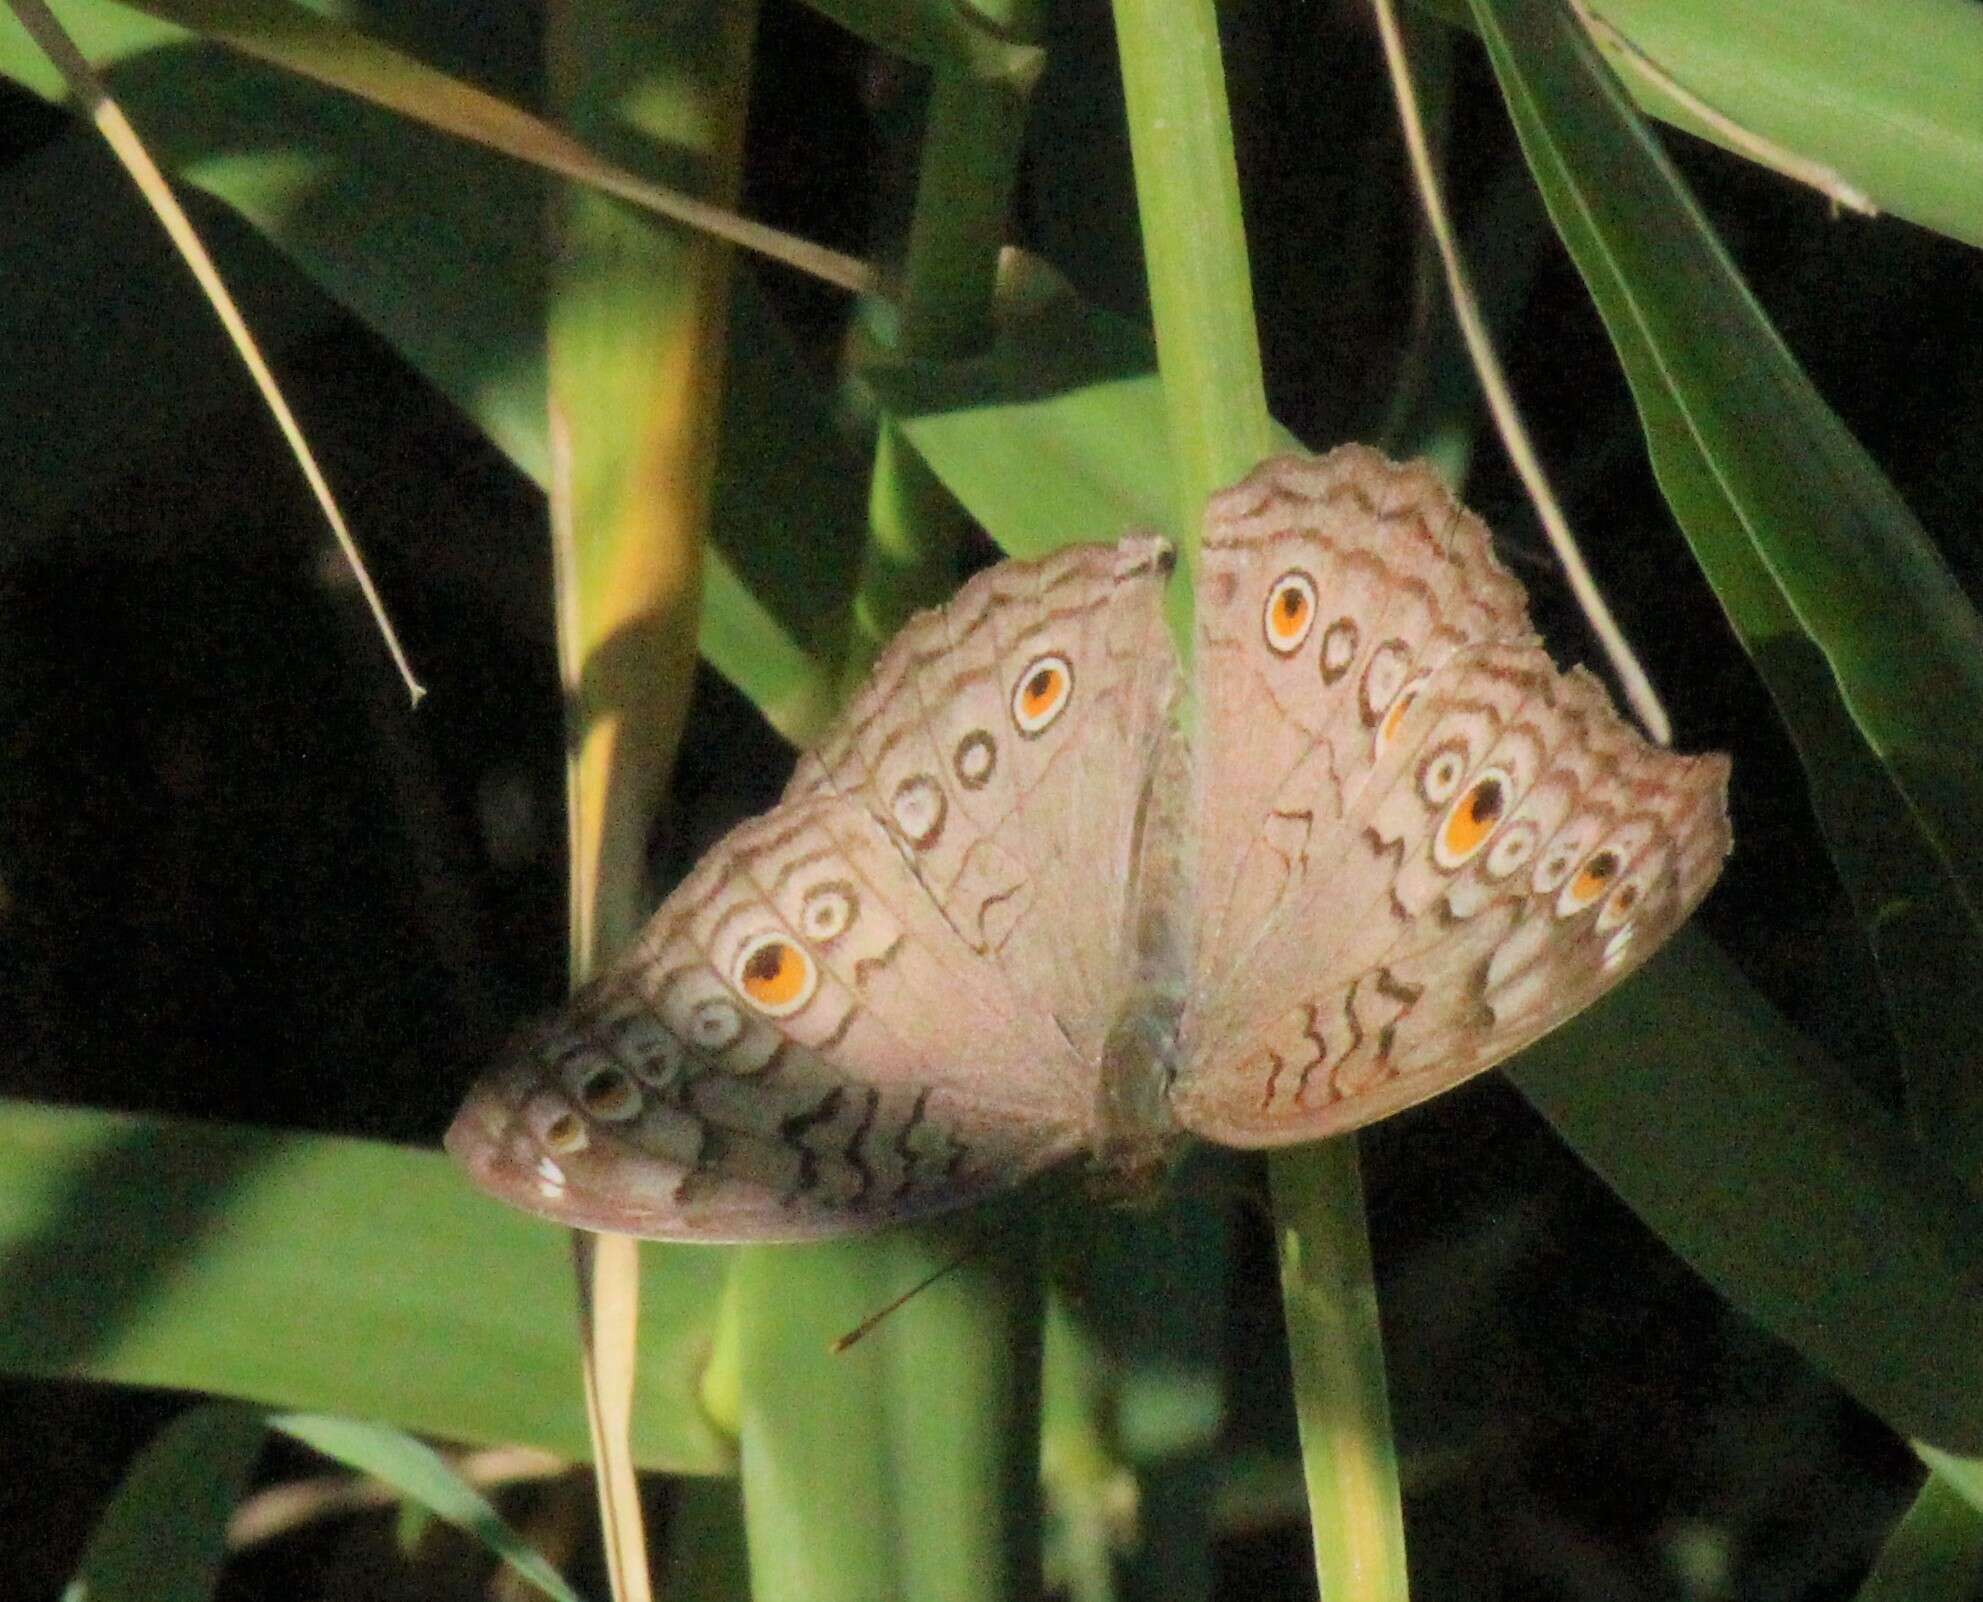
1472,820
1041,693
1589,882
776,976
1290,612
1387,731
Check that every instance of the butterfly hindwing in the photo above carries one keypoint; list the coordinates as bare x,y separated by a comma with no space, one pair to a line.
864,1005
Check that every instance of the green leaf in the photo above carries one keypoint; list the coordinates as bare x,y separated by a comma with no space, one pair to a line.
416,1470
1806,544
1887,96
1795,1194
1055,435
320,1273
163,1538
1935,1553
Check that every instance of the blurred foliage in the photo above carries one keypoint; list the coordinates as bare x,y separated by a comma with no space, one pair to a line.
240,884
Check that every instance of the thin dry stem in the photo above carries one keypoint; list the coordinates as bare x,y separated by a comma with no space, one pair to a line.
94,97
1501,401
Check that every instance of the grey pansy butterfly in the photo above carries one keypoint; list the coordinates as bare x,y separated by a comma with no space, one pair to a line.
1002,918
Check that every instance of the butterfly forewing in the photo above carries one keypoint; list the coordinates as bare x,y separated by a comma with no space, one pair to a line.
1394,919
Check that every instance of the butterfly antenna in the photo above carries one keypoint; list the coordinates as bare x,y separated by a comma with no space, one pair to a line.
867,1324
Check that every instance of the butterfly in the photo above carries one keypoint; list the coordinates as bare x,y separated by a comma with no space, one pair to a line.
1009,917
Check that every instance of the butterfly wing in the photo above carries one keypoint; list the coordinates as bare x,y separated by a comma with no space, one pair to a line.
1420,845
872,1003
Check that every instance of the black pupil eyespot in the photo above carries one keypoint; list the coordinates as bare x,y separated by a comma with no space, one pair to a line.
766,963
1291,602
1486,802
1042,682
1602,868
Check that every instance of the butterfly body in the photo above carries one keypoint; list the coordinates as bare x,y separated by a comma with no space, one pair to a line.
1005,919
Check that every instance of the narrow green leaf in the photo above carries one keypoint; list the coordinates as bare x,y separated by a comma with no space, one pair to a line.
1884,95
1964,1475
163,1538
1795,1194
1348,1461
416,1470
312,1272
1803,539
1935,1553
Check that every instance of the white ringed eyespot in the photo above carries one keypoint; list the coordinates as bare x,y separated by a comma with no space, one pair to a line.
1290,612
775,976
1042,693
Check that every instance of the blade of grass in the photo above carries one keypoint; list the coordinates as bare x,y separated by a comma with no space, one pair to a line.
636,347
418,1472
249,1263
345,58
1501,400
89,90
1348,1461
163,1538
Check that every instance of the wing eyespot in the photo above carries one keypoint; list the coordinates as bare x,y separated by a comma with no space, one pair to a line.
1383,684
1589,882
975,760
1566,850
918,808
608,1094
1511,849
828,912
562,1133
775,975
1339,646
1441,771
715,1024
1042,693
1471,820
1290,612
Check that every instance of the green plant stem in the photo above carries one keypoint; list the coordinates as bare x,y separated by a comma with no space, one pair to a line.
1201,302
1194,250
1333,1337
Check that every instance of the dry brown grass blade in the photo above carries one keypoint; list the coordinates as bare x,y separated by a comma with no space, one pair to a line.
608,1274
343,58
636,345
95,101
